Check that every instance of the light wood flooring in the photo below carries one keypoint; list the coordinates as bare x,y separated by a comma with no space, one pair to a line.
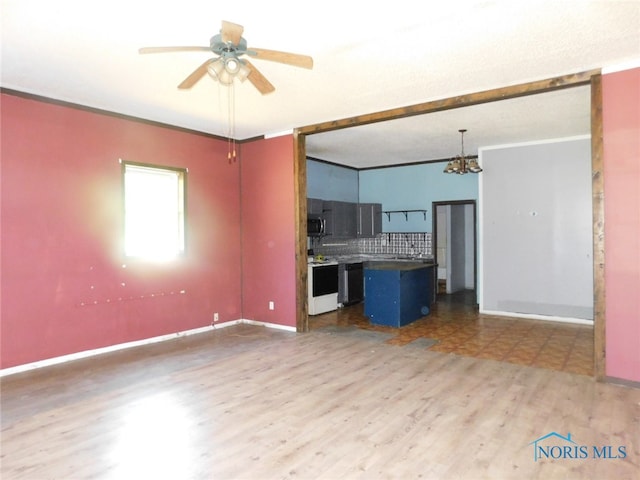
458,328
247,402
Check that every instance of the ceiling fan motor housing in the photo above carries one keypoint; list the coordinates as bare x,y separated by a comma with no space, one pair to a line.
227,49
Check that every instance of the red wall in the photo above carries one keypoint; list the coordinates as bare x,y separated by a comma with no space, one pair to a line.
268,231
621,133
64,287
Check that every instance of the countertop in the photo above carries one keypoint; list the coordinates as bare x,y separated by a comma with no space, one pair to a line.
383,258
321,263
402,266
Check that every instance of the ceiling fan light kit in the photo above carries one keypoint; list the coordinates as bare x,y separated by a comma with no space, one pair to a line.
463,164
228,69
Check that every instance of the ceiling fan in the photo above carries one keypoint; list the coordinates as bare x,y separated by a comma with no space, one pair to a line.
229,45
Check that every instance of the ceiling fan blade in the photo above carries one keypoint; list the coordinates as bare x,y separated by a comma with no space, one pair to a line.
231,32
173,49
196,75
294,59
258,80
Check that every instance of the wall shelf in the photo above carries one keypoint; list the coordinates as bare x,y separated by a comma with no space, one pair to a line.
406,213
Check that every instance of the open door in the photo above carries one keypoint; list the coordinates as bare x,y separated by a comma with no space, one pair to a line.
454,244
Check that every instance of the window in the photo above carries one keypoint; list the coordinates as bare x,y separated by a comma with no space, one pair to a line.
154,205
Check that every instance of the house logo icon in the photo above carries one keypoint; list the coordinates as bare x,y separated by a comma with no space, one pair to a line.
567,448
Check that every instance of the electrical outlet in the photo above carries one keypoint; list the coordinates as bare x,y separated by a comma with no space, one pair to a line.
271,306
216,317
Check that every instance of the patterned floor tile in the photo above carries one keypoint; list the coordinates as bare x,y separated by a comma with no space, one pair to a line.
460,329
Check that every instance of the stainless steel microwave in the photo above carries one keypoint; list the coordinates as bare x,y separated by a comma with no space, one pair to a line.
315,226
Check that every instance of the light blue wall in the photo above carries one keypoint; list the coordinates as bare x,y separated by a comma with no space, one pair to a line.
414,187
411,187
331,182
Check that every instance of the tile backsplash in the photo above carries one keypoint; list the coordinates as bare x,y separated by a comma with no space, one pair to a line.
385,243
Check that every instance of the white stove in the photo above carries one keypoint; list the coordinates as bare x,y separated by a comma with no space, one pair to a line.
322,293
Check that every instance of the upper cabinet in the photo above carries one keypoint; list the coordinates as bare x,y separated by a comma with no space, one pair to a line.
347,219
314,206
369,219
341,219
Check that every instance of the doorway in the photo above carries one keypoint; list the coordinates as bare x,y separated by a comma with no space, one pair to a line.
454,244
591,77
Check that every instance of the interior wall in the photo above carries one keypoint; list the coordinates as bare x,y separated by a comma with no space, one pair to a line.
268,231
66,286
621,150
537,229
414,187
331,182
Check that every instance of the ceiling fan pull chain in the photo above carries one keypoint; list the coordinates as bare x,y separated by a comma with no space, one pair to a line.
231,142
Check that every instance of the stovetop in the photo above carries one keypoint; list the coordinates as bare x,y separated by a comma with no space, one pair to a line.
319,263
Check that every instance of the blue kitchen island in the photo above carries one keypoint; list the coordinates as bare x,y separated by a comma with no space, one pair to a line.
398,293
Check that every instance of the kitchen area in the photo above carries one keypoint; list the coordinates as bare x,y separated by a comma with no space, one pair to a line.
358,219
351,260
504,229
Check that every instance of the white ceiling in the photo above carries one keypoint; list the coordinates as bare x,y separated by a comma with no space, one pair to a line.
366,59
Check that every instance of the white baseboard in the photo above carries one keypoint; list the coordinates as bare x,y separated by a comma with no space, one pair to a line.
246,321
530,316
269,325
137,343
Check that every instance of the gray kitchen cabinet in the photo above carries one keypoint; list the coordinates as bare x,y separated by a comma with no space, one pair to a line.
314,206
341,219
369,219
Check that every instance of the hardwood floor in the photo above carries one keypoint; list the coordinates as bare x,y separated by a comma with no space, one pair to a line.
458,328
247,402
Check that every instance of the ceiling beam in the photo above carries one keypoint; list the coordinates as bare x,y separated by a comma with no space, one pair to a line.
486,96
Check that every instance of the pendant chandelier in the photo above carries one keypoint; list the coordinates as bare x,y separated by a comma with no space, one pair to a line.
463,164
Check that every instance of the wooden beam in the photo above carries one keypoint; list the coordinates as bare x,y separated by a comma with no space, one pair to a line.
504,93
597,172
300,189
